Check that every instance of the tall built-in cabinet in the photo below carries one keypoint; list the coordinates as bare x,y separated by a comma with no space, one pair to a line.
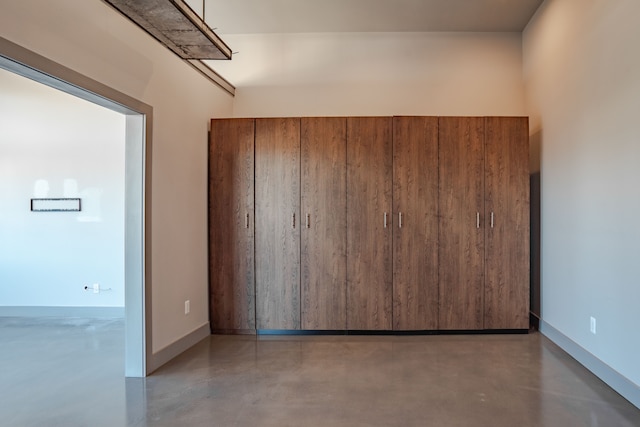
323,250
507,230
231,225
369,223
484,223
369,228
415,223
277,201
461,225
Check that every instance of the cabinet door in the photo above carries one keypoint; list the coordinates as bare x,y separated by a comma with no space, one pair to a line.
415,223
324,223
461,204
231,238
369,226
277,176
506,302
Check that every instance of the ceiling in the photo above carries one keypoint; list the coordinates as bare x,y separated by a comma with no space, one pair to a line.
331,16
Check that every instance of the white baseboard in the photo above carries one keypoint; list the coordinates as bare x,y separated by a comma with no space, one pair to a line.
611,377
42,311
172,350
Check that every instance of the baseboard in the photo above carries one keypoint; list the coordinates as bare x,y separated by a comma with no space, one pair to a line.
172,350
38,311
612,378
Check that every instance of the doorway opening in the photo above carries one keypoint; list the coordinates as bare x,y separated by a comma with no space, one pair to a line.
137,195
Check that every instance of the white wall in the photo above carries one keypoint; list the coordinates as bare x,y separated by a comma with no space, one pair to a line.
351,74
93,39
582,68
56,145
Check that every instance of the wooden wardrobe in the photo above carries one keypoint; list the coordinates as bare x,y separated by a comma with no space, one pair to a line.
369,223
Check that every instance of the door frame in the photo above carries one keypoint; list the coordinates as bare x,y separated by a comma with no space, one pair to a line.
137,233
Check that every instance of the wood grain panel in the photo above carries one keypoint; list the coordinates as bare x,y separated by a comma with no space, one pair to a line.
507,277
231,225
415,243
323,253
461,246
369,244
277,175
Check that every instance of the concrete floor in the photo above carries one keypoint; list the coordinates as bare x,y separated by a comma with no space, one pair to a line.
57,372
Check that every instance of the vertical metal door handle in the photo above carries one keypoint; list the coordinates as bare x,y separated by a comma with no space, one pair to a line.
400,220
385,220
307,220
477,219
491,219
246,223
293,220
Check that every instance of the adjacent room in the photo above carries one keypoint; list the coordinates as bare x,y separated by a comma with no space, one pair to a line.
58,149
355,212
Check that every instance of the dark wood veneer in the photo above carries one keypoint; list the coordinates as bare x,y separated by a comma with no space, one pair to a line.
278,222
448,268
369,244
461,238
506,296
324,224
415,244
231,232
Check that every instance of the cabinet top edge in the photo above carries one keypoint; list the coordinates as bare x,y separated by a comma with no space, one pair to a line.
363,117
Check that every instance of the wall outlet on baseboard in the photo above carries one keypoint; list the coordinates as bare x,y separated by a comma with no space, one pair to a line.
593,325
187,307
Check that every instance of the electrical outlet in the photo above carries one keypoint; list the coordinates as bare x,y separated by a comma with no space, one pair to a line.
187,307
593,325
96,288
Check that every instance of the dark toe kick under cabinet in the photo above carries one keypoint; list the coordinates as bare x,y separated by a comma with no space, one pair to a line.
369,224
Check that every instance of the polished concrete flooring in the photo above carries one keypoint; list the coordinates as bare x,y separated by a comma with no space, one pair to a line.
57,372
